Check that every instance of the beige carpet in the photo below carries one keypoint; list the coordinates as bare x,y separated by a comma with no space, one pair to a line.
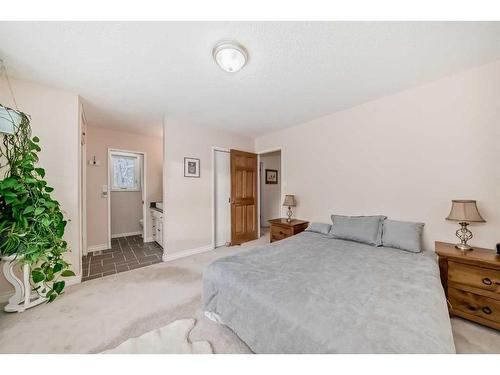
100,314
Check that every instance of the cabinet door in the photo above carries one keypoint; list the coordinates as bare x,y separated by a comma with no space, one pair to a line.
155,225
159,232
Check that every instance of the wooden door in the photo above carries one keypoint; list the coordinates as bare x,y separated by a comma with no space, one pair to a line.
243,197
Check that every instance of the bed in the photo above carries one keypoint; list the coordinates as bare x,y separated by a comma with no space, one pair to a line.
313,294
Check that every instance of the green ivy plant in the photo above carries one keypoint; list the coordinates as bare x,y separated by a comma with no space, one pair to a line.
31,222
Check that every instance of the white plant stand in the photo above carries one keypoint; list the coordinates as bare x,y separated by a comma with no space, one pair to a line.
22,299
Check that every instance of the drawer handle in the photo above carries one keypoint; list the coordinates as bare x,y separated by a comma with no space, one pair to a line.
487,281
487,310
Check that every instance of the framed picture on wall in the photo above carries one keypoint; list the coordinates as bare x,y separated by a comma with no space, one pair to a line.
271,176
191,167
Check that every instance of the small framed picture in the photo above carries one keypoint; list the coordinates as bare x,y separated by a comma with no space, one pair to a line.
271,176
191,167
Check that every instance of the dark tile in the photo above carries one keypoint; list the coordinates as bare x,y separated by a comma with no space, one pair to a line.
126,253
126,261
122,241
108,267
92,277
101,257
121,268
139,265
96,262
139,253
115,259
150,258
131,262
95,270
152,252
85,272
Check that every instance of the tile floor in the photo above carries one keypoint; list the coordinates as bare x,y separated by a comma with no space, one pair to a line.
126,253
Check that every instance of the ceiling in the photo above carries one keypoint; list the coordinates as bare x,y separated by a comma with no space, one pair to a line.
131,74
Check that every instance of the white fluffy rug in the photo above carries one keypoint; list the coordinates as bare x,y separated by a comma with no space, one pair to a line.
171,339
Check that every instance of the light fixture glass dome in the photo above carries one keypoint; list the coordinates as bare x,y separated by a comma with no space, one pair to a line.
230,56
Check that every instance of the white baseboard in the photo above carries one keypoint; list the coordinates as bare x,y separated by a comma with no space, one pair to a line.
73,280
126,234
101,247
186,253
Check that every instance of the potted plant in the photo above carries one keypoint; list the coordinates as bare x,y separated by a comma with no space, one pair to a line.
31,222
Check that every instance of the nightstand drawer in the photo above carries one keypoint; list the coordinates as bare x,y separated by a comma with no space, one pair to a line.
477,277
474,304
278,233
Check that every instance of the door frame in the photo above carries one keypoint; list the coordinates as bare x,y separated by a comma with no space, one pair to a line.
214,227
83,184
143,191
259,153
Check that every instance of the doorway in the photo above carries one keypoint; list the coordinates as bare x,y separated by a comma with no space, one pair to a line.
270,188
235,197
222,189
126,194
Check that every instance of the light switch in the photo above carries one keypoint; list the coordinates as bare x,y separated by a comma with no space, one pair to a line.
104,191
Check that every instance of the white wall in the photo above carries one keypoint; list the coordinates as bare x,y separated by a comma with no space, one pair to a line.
405,156
270,193
55,120
98,142
188,201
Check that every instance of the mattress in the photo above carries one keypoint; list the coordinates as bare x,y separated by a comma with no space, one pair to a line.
313,294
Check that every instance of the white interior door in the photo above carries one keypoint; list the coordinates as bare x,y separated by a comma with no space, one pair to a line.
222,198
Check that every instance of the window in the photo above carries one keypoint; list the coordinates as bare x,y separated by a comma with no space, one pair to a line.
125,171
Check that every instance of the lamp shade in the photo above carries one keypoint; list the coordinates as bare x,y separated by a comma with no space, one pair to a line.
289,201
466,211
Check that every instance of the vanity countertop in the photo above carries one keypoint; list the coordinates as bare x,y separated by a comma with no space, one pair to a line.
157,206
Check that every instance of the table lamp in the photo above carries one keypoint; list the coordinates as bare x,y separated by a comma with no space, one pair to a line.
290,202
465,212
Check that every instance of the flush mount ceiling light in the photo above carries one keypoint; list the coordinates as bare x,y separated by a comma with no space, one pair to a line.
230,56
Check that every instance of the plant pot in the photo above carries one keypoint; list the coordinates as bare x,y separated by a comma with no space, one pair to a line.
9,258
9,120
22,298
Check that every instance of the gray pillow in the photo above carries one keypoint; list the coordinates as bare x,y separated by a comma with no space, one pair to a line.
404,235
319,228
365,229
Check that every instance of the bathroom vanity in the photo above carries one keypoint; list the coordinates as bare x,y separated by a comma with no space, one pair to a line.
157,217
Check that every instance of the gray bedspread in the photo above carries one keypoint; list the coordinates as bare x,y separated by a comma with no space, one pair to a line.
313,294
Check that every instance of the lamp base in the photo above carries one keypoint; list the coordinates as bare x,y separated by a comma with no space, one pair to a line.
463,247
289,214
464,235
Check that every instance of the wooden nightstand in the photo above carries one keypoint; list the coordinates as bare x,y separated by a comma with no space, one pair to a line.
281,229
471,281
